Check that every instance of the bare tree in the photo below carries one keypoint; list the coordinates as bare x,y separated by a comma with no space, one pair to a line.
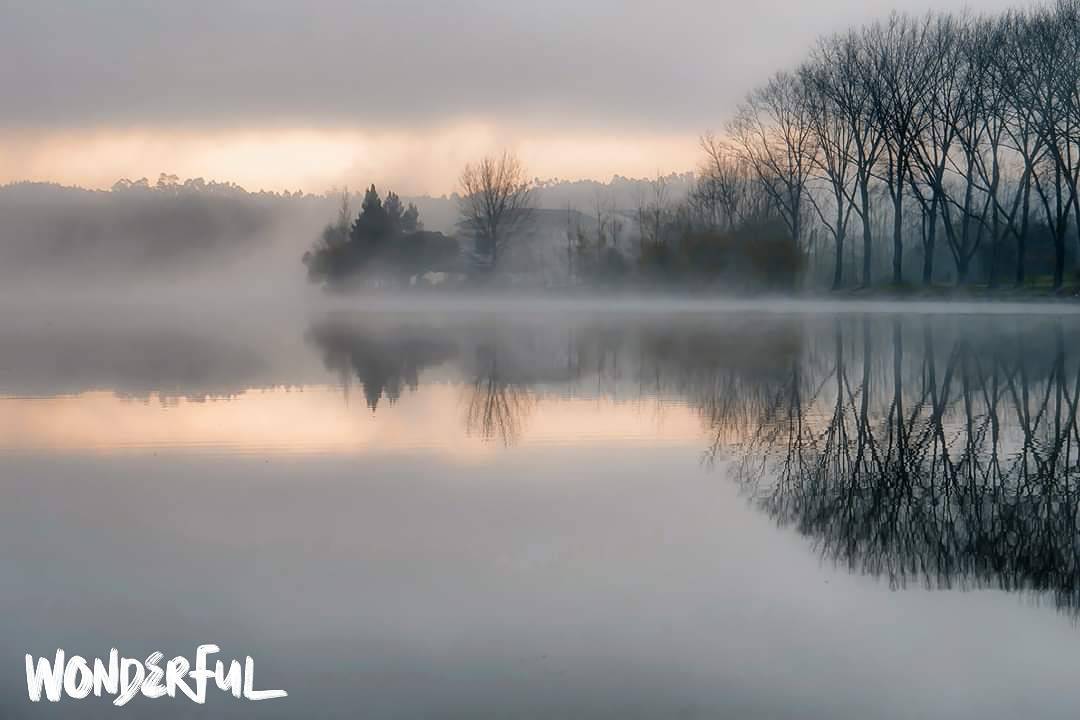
727,193
1051,69
496,199
652,213
975,119
835,143
945,112
847,86
1000,170
1067,89
899,72
1020,125
773,134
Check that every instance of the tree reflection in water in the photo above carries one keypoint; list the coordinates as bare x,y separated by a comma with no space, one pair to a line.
926,451
934,450
497,407
385,359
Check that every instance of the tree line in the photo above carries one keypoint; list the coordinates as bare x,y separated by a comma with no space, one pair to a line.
912,150
945,139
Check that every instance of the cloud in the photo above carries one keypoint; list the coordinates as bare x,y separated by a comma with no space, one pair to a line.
624,64
293,93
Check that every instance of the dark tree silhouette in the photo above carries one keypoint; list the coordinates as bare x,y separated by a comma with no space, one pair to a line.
386,243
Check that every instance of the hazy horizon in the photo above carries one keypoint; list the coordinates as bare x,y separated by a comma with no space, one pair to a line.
317,95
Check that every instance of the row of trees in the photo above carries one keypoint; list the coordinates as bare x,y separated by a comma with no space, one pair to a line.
913,133
949,144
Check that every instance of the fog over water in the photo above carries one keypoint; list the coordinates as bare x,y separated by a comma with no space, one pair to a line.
593,509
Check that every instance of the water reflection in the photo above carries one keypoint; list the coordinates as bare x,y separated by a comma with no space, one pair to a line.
929,450
498,407
937,453
166,361
413,508
508,368
385,360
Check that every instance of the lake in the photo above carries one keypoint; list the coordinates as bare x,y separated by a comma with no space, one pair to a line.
554,510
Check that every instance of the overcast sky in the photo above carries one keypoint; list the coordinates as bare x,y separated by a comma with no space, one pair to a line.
283,93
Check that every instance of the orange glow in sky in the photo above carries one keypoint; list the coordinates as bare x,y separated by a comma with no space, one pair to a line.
414,162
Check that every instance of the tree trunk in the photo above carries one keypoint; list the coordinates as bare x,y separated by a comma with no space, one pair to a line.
963,264
995,240
929,246
1059,257
1059,233
1021,239
867,235
796,223
838,270
898,241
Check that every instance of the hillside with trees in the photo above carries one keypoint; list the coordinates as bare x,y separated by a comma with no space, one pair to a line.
142,231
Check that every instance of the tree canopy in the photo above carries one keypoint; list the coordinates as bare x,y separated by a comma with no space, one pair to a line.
385,242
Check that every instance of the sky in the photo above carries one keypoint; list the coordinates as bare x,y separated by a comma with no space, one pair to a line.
286,94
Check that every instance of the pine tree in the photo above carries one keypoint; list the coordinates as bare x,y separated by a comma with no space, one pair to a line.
410,220
372,226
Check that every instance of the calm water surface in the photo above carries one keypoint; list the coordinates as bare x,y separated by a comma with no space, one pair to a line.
439,513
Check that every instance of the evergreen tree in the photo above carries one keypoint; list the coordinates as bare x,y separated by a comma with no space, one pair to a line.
372,225
394,212
410,220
